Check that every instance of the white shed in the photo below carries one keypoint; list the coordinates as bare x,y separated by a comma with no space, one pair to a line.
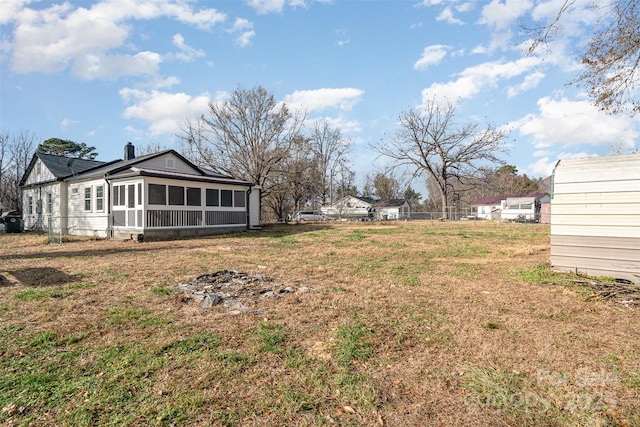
595,216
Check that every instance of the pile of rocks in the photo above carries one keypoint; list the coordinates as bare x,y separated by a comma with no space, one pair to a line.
234,289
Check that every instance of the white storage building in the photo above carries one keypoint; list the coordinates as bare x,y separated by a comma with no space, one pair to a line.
595,216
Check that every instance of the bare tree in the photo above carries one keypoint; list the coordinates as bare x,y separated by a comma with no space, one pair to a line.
384,185
246,136
432,143
329,149
16,151
612,56
293,185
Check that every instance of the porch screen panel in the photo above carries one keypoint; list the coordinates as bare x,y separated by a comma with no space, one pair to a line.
239,199
176,195
157,194
213,197
118,218
194,197
226,198
131,201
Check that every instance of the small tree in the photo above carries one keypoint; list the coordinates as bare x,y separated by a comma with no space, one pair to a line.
64,147
432,143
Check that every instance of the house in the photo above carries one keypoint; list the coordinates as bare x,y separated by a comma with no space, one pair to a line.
151,197
595,221
367,208
487,207
525,208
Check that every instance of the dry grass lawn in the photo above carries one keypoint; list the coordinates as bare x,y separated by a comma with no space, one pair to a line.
405,324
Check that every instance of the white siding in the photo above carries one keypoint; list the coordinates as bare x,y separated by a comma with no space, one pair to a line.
82,222
39,173
168,162
595,206
254,207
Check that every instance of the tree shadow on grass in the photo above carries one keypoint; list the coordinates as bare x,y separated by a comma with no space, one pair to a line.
38,276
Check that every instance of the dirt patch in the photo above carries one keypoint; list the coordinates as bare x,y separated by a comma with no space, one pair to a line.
237,291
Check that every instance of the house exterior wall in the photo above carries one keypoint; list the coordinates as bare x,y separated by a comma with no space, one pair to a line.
595,221
41,204
85,217
40,173
254,207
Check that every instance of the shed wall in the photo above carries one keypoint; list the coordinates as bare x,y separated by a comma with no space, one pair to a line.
595,217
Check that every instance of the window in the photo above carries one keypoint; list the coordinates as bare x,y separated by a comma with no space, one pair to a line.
194,197
176,195
213,197
226,197
157,194
100,198
49,203
118,195
132,196
139,194
238,199
30,205
87,199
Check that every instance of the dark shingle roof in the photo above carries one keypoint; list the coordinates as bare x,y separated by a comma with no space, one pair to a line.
61,166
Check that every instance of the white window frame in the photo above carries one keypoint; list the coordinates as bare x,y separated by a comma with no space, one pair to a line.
100,199
87,198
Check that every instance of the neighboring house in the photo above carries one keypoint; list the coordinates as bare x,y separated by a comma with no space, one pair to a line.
151,197
525,208
367,208
487,207
595,221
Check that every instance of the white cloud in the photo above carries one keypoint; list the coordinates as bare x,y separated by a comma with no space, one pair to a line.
65,123
478,78
501,15
245,28
530,82
187,53
431,55
164,112
319,99
91,67
571,123
55,38
447,16
267,6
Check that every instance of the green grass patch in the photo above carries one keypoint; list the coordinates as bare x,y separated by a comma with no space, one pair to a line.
270,337
38,293
352,344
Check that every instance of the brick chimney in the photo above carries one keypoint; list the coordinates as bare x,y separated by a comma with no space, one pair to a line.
129,151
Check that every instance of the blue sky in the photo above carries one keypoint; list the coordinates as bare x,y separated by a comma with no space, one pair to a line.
108,72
